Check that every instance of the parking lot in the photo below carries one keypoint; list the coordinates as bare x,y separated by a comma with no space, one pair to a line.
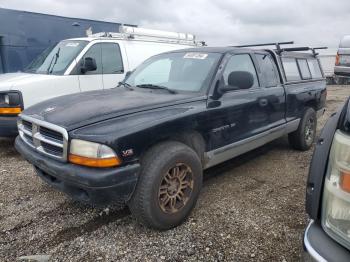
250,208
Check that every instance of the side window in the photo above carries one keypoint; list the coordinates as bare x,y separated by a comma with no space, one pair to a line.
304,69
240,63
95,53
314,68
1,69
291,69
112,62
268,70
156,73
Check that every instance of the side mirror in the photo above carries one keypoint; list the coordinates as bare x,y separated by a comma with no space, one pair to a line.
238,80
127,74
89,64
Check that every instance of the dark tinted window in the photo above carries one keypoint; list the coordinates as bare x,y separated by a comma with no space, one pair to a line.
304,69
268,70
240,63
112,62
291,69
314,68
95,53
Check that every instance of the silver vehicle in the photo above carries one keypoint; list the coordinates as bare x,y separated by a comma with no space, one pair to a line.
342,62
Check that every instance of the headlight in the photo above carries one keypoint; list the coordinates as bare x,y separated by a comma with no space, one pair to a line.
10,103
92,154
336,199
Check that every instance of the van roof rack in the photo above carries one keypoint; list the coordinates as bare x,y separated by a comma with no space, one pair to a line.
152,35
279,50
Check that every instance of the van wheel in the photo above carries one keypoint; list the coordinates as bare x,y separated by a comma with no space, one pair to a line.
168,188
304,136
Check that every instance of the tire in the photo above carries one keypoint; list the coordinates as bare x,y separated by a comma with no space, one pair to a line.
304,136
162,169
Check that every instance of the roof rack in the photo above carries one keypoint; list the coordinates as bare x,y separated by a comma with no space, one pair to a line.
277,44
312,49
279,50
137,33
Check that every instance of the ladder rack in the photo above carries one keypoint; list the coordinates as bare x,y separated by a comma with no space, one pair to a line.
280,50
143,34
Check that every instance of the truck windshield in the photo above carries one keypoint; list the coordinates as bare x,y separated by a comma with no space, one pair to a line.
55,60
180,71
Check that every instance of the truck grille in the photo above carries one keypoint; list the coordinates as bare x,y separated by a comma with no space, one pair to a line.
45,137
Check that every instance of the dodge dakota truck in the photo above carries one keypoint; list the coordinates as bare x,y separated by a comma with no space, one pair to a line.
146,143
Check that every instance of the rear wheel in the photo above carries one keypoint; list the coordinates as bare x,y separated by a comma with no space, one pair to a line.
169,185
304,136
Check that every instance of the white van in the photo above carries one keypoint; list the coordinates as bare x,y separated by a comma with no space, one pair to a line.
98,61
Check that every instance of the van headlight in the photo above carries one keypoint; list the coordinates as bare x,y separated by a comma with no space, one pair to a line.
92,154
10,103
336,198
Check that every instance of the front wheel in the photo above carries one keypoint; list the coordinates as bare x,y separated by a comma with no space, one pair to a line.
304,136
168,187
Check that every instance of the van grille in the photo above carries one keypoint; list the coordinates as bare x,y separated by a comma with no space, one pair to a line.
45,137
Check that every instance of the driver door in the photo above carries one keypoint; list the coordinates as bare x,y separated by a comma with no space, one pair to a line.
91,80
240,115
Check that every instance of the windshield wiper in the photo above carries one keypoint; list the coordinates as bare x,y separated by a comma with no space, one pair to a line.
151,86
55,57
126,85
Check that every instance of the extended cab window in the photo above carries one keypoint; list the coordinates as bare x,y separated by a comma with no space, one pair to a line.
268,70
304,69
314,68
240,63
112,62
291,69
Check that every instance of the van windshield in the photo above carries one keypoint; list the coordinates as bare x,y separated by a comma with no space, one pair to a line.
180,71
56,59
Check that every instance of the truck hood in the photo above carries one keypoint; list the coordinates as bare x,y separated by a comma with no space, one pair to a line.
15,81
78,110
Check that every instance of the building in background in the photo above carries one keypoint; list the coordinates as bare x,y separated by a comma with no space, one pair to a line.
24,35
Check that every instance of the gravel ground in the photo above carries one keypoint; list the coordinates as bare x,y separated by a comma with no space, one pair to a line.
250,209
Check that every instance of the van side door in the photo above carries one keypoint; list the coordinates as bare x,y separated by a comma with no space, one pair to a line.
90,80
113,66
273,101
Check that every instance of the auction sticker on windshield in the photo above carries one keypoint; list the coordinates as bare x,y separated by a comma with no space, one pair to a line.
196,55
72,44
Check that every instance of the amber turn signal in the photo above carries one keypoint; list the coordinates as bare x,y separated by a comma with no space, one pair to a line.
10,110
94,162
345,181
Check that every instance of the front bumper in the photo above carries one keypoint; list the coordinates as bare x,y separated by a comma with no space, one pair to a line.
8,126
100,186
320,247
342,71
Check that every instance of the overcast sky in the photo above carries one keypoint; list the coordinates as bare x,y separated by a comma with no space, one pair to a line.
218,22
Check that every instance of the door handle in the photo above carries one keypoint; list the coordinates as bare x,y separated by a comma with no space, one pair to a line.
263,102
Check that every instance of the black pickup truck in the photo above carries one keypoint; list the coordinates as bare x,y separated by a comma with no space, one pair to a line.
327,237
147,142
